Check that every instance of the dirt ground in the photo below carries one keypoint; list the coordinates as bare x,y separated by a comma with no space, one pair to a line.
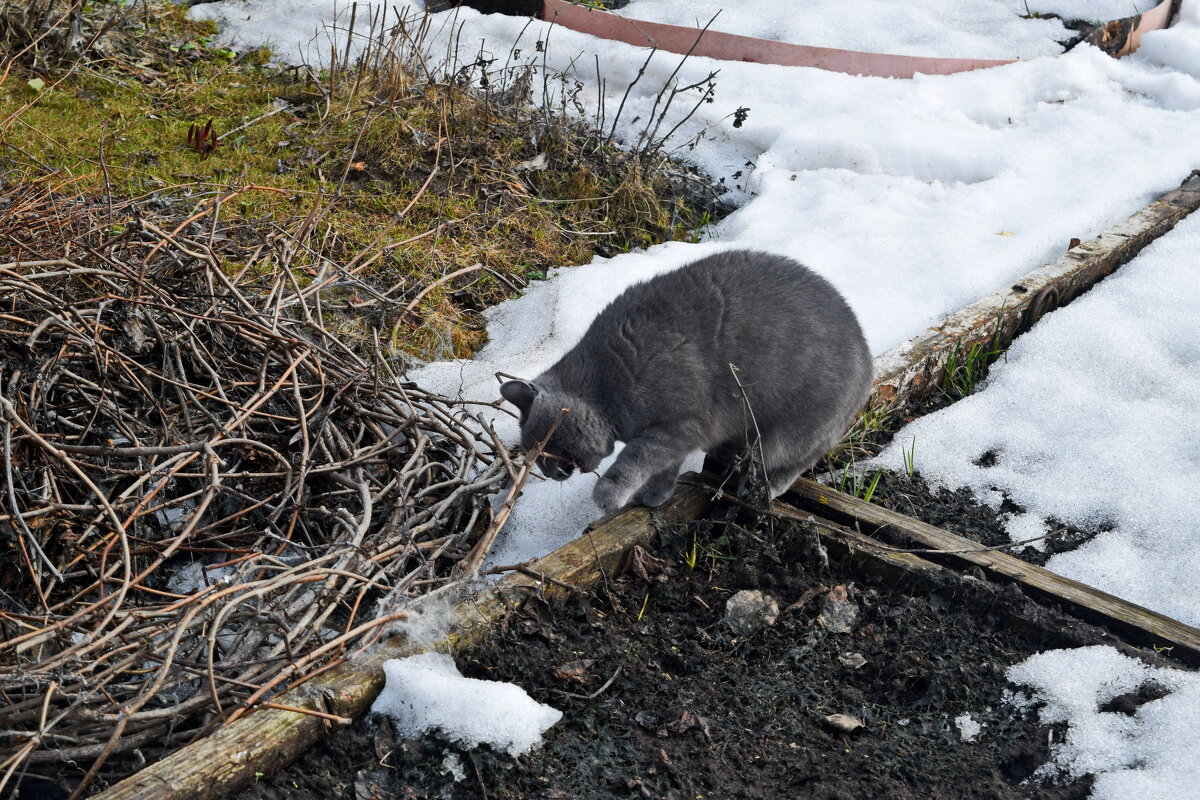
662,699
958,511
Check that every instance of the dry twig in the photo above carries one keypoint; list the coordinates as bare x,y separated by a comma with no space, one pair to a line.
204,487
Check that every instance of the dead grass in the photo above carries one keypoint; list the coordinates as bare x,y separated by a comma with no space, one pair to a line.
405,180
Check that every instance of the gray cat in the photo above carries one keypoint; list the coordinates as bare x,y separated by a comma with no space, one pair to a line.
671,366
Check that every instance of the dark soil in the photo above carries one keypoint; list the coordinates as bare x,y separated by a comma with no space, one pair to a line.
958,511
695,711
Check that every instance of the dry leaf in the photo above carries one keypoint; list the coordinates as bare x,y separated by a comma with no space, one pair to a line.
644,565
574,671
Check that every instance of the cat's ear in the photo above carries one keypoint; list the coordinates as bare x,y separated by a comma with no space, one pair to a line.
519,393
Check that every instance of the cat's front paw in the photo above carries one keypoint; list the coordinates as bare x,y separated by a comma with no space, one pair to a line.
609,495
655,492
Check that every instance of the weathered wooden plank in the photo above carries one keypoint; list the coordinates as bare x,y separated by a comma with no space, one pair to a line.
1116,38
912,370
269,739
1137,624
868,556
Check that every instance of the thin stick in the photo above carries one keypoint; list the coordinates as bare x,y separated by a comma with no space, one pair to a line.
469,566
310,712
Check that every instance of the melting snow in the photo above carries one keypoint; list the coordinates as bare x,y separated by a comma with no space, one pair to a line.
427,692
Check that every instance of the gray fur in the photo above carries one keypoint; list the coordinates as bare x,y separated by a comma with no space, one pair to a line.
653,371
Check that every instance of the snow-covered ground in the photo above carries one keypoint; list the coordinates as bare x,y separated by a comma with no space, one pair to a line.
943,28
1091,419
1150,754
914,198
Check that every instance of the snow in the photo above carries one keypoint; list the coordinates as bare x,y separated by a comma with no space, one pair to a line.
914,198
1092,417
427,692
946,28
968,727
1152,753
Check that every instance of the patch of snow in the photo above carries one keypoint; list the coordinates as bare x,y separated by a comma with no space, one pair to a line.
299,31
945,28
452,765
1092,416
1177,47
968,727
1152,753
427,692
1088,10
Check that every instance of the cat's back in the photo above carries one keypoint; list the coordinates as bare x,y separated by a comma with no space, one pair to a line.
732,294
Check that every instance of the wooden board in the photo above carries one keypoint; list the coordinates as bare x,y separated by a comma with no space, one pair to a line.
1117,38
1135,623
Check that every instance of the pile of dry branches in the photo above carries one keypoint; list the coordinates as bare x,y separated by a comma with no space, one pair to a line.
206,494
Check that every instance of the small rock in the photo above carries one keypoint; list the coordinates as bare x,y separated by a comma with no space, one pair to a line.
843,723
749,611
535,164
840,612
852,660
370,785
647,719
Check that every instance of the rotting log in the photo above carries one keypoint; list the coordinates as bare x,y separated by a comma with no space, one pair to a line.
269,739
911,371
1135,623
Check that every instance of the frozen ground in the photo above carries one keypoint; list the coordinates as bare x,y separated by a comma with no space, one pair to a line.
1149,753
914,197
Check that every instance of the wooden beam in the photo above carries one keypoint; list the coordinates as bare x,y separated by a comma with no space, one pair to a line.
1135,623
268,739
911,371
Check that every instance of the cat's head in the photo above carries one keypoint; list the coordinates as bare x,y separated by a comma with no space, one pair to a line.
582,439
